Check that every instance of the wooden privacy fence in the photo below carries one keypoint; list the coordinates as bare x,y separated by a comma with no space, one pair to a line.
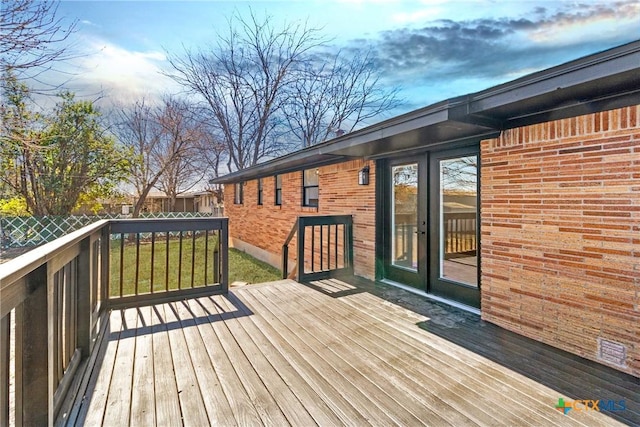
324,247
57,297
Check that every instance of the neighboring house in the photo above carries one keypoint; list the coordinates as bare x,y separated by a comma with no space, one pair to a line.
544,172
158,201
206,202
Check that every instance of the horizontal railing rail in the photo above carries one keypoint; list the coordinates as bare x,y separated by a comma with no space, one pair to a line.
54,300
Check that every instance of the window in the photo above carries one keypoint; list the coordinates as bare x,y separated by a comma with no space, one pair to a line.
259,191
237,199
278,190
310,187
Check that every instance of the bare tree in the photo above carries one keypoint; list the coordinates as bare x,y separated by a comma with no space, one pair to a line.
241,79
181,174
460,175
163,140
33,37
212,151
179,177
138,131
329,98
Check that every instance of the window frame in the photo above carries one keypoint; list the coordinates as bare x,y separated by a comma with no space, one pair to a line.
306,187
260,192
278,190
238,196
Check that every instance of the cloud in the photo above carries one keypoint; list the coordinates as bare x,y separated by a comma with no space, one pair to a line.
459,52
582,16
413,17
121,74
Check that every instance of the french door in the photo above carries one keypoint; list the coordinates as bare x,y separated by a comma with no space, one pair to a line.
431,223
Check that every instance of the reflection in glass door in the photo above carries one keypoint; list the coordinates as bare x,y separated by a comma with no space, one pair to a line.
405,228
430,223
458,252
453,257
404,216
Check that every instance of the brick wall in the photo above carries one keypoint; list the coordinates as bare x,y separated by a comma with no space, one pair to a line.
561,232
267,226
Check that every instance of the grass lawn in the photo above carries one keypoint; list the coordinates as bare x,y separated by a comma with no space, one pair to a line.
242,267
245,268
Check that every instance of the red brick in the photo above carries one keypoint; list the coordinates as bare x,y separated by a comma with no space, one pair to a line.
267,226
575,245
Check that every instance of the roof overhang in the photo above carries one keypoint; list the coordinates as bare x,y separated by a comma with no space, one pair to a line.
603,81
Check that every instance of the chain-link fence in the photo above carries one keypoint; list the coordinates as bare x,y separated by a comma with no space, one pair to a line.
31,231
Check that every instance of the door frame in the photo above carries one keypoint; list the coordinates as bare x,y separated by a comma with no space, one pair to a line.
449,289
428,247
384,182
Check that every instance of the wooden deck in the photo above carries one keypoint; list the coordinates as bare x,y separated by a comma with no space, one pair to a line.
330,354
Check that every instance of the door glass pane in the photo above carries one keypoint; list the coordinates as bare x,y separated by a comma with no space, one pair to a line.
404,217
458,220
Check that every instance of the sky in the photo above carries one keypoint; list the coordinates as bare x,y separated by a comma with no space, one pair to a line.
431,49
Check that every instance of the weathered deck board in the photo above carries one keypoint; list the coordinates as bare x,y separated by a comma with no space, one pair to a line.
216,404
143,411
383,389
457,404
191,403
95,400
258,394
272,346
310,367
291,407
166,389
118,406
361,394
534,362
470,389
286,354
469,386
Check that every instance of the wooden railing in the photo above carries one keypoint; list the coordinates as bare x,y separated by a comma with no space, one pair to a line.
460,230
285,250
193,248
460,238
54,301
324,247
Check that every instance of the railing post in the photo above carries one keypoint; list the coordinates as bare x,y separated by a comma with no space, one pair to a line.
216,263
31,355
83,331
224,255
349,243
285,261
5,350
285,249
300,249
105,264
